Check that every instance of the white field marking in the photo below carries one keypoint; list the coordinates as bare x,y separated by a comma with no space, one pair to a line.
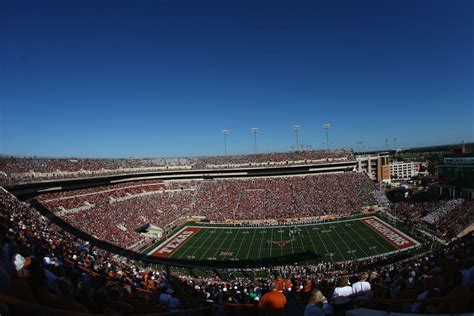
343,240
312,243
271,245
325,247
223,242
374,240
241,242
233,240
358,244
197,248
207,248
372,237
339,250
261,243
191,245
251,243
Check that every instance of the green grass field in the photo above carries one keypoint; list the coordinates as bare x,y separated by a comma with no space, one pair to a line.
311,243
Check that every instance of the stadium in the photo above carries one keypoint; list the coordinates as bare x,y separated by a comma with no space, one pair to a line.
198,225
236,158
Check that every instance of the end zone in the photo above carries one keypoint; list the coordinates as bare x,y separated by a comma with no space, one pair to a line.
167,248
390,234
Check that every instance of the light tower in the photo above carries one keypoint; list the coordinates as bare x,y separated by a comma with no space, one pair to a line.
225,132
395,148
327,126
296,128
255,130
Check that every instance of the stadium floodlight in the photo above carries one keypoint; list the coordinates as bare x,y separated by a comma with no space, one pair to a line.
225,132
255,130
296,128
359,145
395,147
327,126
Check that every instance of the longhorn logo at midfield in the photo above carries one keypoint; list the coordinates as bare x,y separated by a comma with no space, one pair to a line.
281,243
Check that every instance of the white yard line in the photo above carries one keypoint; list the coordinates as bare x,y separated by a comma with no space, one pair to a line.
357,243
271,244
344,241
222,242
312,243
327,251
261,242
359,232
251,243
233,240
207,248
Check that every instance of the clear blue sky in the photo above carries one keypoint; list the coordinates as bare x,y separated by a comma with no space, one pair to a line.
162,78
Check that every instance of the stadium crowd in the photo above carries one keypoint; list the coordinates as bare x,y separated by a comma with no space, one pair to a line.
42,264
447,218
25,169
218,200
70,200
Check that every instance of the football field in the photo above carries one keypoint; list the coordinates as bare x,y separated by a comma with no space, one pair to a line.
308,243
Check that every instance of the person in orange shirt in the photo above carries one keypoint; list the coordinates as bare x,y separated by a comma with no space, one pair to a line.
280,284
273,302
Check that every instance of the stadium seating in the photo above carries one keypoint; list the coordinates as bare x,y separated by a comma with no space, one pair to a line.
238,199
44,265
26,169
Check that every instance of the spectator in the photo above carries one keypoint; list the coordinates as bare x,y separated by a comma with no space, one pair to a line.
362,287
315,304
273,302
342,296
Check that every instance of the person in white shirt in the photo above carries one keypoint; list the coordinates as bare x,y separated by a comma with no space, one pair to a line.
342,293
362,287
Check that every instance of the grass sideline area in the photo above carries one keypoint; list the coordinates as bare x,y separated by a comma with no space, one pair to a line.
349,239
